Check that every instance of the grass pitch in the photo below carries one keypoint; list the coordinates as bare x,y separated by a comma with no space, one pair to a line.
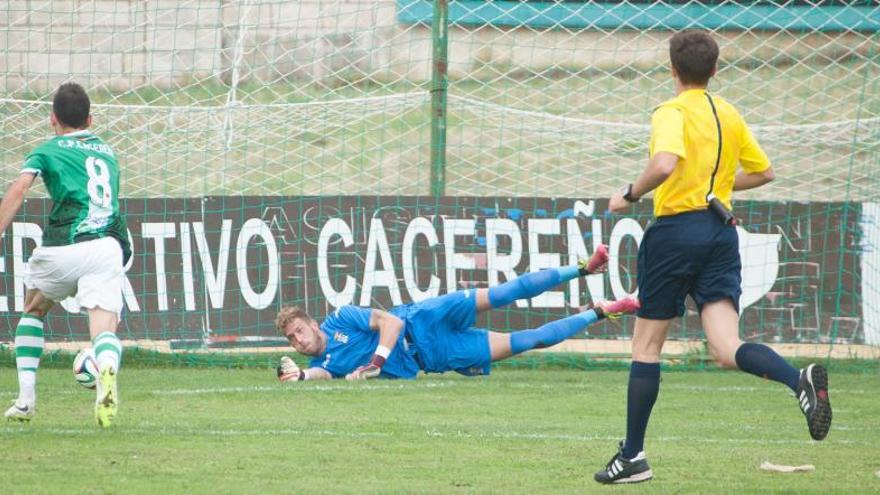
240,431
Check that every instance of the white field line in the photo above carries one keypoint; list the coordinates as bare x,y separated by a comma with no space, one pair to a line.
767,388
339,386
346,387
513,435
329,387
673,349
157,430
409,385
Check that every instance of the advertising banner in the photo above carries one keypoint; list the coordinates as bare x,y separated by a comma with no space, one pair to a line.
209,268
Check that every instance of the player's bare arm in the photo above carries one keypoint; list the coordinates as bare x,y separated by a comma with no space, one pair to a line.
746,180
35,303
13,198
659,168
389,328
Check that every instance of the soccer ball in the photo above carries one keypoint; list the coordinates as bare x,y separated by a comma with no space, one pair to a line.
85,368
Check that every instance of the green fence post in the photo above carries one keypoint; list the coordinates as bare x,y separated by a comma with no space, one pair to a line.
439,84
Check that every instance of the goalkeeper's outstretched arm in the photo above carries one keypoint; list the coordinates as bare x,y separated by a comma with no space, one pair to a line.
288,371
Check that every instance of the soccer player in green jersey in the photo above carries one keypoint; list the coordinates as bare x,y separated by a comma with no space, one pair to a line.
84,250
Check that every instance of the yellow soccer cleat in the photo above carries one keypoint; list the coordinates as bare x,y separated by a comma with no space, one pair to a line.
107,399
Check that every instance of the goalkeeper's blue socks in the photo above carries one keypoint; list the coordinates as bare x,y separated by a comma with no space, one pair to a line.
760,360
644,384
552,333
530,285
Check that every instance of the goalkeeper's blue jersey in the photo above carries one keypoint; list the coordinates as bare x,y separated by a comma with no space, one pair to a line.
351,343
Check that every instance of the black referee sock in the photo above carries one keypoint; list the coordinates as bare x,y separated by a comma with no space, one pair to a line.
644,384
760,360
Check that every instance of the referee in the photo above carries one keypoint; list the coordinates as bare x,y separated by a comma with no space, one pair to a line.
698,141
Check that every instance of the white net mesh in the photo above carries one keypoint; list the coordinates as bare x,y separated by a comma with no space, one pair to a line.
211,98
566,109
329,97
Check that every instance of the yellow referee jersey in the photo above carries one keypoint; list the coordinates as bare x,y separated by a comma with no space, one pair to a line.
686,126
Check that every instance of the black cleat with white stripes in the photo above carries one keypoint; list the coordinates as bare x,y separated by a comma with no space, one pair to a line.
812,396
621,470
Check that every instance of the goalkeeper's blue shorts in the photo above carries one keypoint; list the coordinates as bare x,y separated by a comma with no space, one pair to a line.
440,330
691,253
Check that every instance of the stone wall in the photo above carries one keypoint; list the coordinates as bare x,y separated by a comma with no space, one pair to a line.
122,45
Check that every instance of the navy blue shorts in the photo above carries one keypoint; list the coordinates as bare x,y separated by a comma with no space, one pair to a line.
689,253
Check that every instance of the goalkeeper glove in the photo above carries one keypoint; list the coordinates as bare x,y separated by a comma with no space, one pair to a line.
373,368
367,371
288,371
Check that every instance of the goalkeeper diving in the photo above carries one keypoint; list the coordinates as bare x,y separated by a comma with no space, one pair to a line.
435,335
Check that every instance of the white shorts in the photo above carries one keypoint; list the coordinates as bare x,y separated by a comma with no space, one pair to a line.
91,271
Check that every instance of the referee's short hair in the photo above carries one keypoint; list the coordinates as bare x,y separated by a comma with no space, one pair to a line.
71,105
693,55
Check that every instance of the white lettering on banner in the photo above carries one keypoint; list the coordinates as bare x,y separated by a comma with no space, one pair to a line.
577,250
585,209
539,261
417,239
20,232
159,232
189,293
128,295
596,283
334,227
127,289
503,263
377,241
453,227
418,226
255,227
215,280
624,227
